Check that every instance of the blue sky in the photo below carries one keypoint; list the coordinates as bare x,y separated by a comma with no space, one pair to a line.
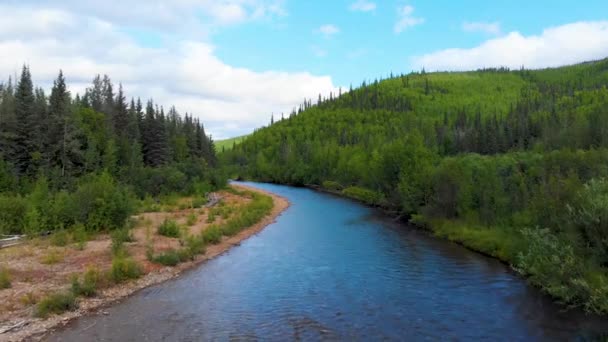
367,46
233,63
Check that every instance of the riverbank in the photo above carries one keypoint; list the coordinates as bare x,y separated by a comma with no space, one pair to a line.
38,269
544,260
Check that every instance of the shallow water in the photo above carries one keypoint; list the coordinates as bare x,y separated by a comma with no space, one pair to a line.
332,269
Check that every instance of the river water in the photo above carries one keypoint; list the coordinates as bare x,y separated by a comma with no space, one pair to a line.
332,269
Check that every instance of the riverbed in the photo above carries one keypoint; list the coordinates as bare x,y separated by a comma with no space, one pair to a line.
333,269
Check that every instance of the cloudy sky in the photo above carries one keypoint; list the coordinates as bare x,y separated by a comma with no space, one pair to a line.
234,62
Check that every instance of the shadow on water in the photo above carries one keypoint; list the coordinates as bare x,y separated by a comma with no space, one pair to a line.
332,269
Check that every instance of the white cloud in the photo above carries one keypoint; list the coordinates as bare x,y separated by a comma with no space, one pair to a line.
556,46
177,16
489,28
187,73
363,6
406,19
328,30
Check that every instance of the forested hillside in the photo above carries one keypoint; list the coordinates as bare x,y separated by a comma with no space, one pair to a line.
69,161
510,163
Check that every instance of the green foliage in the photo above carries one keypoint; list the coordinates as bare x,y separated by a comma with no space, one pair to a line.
553,264
89,284
191,219
195,245
171,258
119,238
5,279
211,215
363,195
79,235
169,228
589,215
212,235
228,144
56,304
12,214
60,238
124,268
102,204
332,186
247,215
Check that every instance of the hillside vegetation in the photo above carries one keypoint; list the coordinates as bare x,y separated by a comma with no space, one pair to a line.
228,144
510,163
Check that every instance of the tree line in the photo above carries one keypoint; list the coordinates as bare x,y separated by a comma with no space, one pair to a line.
61,154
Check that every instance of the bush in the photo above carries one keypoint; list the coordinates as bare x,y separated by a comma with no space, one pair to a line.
102,204
211,216
88,287
12,214
195,245
5,279
333,186
169,228
589,215
553,264
60,238
212,234
79,235
119,237
170,258
55,304
124,268
364,195
192,218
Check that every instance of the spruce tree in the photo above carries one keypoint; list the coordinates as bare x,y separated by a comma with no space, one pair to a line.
26,122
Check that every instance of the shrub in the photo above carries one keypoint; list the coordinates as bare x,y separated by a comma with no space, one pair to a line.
192,218
553,264
198,202
12,214
211,216
60,238
589,215
195,245
124,268
169,258
5,278
79,235
169,228
102,204
212,234
119,237
364,195
88,287
333,186
55,304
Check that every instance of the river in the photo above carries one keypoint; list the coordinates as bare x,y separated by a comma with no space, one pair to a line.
332,269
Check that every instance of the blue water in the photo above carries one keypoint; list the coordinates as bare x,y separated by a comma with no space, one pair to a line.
332,269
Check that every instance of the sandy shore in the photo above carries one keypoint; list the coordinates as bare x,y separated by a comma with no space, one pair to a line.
35,329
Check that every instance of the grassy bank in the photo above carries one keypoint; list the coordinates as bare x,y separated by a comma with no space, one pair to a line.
45,277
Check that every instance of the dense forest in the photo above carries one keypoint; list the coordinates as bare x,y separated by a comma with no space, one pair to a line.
512,163
84,161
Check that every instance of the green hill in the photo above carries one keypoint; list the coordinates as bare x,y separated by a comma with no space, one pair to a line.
228,144
510,163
